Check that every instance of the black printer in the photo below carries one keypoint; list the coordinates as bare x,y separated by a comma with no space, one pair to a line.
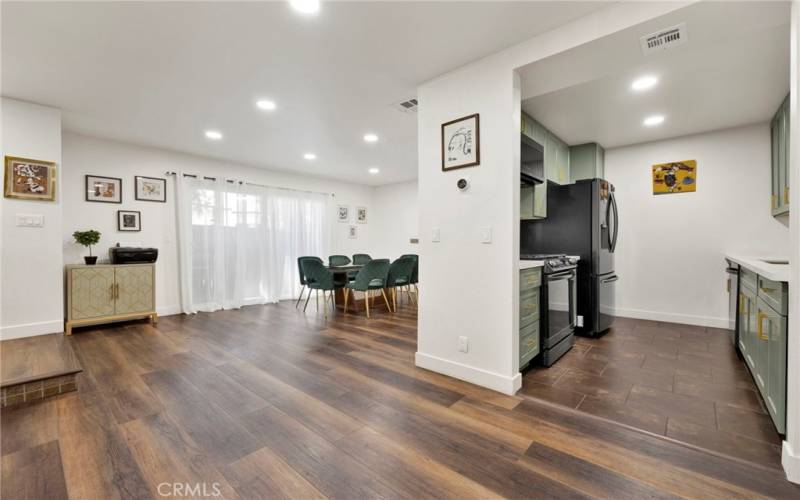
132,255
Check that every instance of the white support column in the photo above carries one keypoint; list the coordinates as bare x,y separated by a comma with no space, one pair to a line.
791,447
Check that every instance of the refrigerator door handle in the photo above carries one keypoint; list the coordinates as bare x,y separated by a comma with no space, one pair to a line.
610,280
616,222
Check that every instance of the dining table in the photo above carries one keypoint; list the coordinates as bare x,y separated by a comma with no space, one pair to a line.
356,301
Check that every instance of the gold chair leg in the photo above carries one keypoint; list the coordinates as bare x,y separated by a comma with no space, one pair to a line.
316,297
325,305
346,295
383,292
366,302
394,298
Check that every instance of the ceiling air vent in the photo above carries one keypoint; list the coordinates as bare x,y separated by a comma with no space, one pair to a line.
409,106
664,39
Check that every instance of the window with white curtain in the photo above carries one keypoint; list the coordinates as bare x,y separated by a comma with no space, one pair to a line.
239,243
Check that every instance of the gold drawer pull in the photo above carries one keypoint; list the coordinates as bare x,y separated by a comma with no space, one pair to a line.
774,201
760,330
532,279
531,343
529,307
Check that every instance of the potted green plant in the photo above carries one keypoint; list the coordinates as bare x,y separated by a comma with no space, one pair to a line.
87,239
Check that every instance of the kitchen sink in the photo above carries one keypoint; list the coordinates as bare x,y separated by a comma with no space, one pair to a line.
776,262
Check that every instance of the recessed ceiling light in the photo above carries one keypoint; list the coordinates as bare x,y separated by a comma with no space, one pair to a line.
265,104
305,6
654,120
310,156
374,170
644,83
214,134
370,138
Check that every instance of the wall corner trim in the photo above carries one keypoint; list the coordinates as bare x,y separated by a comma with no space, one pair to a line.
31,329
791,463
483,378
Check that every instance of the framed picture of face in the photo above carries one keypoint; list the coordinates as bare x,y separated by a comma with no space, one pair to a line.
461,143
129,220
361,215
103,189
150,189
28,179
343,213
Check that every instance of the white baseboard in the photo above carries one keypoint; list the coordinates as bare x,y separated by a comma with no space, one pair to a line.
685,319
791,463
168,310
31,329
483,378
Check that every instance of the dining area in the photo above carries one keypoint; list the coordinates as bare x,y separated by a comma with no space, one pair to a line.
358,283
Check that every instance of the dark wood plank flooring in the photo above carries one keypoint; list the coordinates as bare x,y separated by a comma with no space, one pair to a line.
680,381
268,402
35,358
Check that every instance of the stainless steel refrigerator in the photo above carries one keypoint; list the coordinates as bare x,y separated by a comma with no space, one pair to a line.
583,220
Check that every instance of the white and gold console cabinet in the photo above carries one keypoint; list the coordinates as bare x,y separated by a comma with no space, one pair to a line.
104,293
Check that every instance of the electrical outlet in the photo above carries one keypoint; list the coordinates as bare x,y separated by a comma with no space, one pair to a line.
30,220
486,235
463,344
437,235
579,321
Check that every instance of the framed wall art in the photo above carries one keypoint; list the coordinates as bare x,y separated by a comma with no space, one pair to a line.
150,189
129,220
103,189
361,215
675,177
28,179
352,232
343,213
461,143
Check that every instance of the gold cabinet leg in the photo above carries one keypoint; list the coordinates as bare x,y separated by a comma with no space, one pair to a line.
154,319
68,328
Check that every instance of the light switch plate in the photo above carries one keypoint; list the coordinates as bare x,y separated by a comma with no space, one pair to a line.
486,235
463,344
437,235
30,220
579,321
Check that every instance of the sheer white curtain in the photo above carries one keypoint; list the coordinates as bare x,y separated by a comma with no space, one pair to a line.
239,243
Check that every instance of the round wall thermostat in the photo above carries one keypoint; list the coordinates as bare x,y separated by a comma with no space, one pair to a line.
462,184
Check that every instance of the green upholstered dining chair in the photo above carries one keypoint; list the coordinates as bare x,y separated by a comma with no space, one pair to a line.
359,259
414,275
372,276
338,260
400,273
321,278
303,279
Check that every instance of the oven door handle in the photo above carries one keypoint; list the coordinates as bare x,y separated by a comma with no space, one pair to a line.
560,275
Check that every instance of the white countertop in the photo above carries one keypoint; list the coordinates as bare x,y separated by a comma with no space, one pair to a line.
528,264
774,272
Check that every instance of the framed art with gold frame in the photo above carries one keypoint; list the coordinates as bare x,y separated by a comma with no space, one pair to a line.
28,179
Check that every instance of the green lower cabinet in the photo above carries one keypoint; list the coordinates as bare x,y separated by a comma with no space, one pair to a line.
772,334
529,282
779,133
747,308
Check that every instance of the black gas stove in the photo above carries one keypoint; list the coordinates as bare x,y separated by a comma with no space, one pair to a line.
553,262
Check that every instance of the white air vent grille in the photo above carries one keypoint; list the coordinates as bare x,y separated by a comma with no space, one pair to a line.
409,106
664,39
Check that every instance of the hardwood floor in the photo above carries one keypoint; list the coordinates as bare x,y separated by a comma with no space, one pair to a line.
268,402
34,358
680,381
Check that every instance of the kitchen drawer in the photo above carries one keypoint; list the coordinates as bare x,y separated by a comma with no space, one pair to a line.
528,307
528,343
748,278
775,294
530,278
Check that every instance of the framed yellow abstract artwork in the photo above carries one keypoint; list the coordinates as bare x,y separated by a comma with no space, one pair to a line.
675,177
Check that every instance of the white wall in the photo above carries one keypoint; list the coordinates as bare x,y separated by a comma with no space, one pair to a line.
32,270
471,288
671,248
89,155
395,219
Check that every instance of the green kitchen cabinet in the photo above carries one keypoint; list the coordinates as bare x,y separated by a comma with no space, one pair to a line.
556,166
779,139
587,161
530,281
771,332
527,202
747,311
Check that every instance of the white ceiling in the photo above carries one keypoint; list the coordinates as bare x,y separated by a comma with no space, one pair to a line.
734,70
160,74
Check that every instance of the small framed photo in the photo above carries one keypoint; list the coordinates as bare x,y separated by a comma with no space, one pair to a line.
103,189
28,179
150,189
352,232
361,215
129,220
343,213
461,143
